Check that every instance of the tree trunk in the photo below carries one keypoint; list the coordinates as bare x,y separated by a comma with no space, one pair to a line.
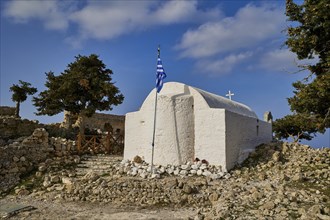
295,139
81,123
17,109
69,120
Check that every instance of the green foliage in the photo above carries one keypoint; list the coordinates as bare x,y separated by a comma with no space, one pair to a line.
84,87
308,36
20,93
297,126
314,100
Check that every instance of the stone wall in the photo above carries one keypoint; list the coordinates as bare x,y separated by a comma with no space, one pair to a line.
62,146
11,127
97,121
7,111
20,158
27,154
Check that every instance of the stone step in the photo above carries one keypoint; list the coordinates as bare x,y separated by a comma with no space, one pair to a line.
82,172
100,164
95,167
95,163
99,160
91,167
102,158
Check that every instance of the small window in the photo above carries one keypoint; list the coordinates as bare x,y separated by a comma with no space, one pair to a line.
257,127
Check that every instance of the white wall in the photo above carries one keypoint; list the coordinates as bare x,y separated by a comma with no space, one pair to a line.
174,136
210,136
243,134
138,134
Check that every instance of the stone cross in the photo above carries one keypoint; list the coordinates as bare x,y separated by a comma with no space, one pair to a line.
230,94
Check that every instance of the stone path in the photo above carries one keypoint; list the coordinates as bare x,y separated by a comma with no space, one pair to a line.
10,209
99,164
49,208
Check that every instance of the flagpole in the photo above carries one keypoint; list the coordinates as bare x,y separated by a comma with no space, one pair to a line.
154,129
153,136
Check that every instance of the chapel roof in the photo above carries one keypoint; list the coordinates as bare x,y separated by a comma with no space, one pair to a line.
205,98
216,101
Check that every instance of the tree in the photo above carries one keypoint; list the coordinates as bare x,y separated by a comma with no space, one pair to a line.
313,100
294,126
84,87
309,37
309,34
20,93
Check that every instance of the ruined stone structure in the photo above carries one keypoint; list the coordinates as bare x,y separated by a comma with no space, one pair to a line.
192,123
13,127
25,154
97,121
7,111
18,158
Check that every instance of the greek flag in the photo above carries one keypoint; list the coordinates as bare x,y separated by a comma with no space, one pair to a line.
160,75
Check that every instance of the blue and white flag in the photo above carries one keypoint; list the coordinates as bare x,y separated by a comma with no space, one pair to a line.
161,75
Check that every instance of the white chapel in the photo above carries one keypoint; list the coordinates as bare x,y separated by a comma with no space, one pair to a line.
192,123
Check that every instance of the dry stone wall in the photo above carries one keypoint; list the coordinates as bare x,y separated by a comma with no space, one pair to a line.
12,127
62,146
20,158
97,121
7,111
24,155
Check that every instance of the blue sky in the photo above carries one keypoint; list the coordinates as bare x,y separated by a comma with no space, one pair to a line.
212,45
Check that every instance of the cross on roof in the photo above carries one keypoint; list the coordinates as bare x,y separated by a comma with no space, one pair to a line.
230,94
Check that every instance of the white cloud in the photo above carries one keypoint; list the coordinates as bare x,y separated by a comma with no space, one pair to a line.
106,19
223,66
278,60
174,11
182,11
249,37
282,60
250,26
50,12
112,19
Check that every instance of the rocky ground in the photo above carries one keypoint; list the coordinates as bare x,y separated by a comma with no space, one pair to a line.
277,181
